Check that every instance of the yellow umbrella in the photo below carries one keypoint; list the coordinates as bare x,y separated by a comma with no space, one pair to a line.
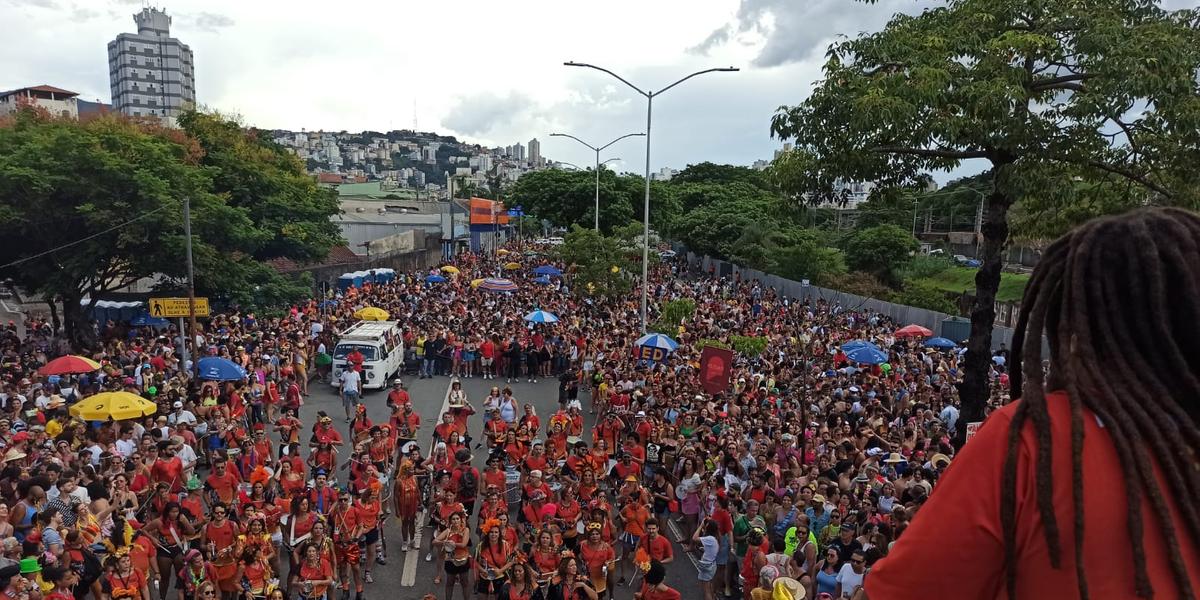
502,251
453,270
475,282
512,266
113,406
371,313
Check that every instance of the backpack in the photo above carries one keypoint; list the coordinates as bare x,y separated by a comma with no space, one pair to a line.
468,483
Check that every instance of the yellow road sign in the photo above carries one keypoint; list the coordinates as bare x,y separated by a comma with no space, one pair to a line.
176,307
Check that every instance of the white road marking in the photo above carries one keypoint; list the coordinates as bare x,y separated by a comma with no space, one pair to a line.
411,558
679,537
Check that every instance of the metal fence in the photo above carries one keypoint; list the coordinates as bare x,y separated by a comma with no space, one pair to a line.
950,326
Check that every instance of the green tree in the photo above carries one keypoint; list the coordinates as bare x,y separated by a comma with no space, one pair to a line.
881,251
756,247
707,172
925,296
804,254
597,264
1044,92
94,206
569,197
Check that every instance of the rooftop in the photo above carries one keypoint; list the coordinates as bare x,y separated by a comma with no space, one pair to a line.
45,89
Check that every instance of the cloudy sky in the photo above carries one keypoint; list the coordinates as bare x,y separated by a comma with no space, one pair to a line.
488,72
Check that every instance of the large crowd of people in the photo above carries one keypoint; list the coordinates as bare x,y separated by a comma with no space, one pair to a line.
800,475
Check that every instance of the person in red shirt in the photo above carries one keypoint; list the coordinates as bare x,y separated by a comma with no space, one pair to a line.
1045,500
168,468
487,358
657,546
324,433
653,587
405,422
398,396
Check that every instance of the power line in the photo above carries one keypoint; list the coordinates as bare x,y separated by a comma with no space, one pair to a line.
82,240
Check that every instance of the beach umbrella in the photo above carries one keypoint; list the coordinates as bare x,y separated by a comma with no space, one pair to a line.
848,346
657,340
547,270
502,251
495,284
371,313
512,266
113,406
453,270
541,316
68,364
327,303
214,368
868,355
475,282
940,343
543,280
435,279
913,331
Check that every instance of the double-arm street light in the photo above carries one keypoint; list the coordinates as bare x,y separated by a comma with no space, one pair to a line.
646,209
598,163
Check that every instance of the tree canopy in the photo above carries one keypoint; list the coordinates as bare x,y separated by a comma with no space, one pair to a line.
1046,93
90,207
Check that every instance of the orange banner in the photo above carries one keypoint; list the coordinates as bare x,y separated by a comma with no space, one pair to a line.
488,212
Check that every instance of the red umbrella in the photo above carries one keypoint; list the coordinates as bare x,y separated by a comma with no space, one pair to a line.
913,331
69,364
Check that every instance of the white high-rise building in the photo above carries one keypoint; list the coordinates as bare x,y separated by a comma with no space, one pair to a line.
150,72
535,153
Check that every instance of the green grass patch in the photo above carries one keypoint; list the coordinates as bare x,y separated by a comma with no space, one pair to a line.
962,279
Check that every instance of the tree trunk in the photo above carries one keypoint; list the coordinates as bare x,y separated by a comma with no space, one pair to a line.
55,321
973,391
78,325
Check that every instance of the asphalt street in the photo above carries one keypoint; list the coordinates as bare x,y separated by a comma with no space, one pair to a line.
407,575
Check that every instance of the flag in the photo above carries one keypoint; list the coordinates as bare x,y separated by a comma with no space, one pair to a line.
715,366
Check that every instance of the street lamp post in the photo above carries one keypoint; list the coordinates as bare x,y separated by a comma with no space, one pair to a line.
598,163
649,95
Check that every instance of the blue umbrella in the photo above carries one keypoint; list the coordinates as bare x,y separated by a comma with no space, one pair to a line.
657,340
547,270
214,368
940,342
145,320
543,280
541,316
327,303
435,279
868,355
848,346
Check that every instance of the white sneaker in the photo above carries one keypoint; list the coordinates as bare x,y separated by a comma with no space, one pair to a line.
429,557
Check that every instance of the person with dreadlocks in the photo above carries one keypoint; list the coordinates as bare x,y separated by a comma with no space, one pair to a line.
1118,300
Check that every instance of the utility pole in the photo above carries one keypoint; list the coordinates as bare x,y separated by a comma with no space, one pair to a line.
191,272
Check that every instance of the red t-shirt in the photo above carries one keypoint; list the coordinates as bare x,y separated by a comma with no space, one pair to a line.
958,550
653,593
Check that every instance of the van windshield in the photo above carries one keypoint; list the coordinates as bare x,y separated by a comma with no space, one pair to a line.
342,350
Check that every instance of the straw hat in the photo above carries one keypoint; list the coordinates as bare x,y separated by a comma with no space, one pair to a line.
894,458
14,454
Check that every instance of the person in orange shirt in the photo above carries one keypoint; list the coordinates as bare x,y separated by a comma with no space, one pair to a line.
634,516
369,507
220,537
222,484
316,573
348,528
1094,465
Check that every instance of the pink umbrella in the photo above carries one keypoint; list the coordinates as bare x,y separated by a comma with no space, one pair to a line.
913,331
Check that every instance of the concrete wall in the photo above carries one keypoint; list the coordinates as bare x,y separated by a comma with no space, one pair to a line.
405,241
426,253
794,289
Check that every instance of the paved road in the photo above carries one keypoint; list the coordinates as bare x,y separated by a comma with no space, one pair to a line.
407,575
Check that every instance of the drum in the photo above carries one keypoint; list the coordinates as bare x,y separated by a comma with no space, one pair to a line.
512,486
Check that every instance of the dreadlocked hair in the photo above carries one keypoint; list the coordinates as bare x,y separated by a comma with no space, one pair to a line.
1116,298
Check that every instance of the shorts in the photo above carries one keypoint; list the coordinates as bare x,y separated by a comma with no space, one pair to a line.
487,362
630,541
452,569
468,356
350,398
723,553
706,570
372,536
